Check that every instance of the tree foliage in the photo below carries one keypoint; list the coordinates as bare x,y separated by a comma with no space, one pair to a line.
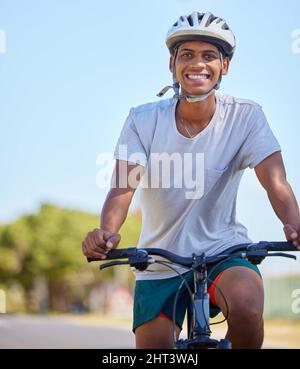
48,244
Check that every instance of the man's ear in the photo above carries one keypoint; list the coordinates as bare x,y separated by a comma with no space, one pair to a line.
171,63
225,67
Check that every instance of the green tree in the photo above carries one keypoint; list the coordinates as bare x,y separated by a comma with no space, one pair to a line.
48,244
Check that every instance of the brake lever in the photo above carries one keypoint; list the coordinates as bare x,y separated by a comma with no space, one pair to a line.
140,263
283,255
257,256
112,263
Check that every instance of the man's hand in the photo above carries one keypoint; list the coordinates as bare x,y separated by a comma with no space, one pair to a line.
292,233
99,242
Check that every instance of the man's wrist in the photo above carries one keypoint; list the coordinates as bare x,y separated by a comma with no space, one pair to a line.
107,228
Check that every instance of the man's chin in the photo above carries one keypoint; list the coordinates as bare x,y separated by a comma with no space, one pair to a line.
195,92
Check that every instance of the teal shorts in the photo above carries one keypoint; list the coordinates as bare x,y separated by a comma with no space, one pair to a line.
153,298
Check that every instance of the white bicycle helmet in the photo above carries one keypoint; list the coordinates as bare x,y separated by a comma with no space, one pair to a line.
205,27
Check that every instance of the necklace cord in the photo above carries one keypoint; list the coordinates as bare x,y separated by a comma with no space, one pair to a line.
184,125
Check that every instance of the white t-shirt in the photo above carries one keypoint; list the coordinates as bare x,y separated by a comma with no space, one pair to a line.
175,215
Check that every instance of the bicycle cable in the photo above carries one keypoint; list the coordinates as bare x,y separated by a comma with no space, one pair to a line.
184,282
208,278
224,299
167,264
191,296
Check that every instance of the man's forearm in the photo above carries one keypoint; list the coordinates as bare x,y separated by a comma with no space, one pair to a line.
284,203
115,209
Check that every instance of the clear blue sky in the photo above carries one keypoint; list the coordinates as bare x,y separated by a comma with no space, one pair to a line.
73,69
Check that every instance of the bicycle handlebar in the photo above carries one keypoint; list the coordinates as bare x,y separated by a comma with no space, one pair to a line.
135,252
141,256
273,246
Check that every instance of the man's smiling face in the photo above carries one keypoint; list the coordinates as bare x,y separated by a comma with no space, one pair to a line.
198,67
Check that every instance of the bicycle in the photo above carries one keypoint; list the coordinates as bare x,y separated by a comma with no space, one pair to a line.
198,326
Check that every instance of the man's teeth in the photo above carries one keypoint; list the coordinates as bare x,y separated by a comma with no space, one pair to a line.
198,76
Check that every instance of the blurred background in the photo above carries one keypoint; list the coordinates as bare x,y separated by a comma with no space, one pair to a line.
69,73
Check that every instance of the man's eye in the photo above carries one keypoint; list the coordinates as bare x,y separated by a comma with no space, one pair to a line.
186,55
209,57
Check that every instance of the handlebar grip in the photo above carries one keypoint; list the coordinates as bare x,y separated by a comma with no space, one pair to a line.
121,253
282,246
89,260
117,254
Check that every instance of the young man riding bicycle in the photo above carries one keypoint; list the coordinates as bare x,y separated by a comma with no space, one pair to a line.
232,134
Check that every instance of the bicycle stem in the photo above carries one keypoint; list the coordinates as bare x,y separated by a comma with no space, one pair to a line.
201,302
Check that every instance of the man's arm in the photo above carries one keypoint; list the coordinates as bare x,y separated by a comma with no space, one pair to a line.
272,176
115,209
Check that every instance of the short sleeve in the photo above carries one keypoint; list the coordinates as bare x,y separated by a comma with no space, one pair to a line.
259,143
129,146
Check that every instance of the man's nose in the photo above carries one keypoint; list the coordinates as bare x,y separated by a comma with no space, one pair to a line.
199,61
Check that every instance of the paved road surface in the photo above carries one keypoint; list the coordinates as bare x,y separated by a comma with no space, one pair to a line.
60,332
44,332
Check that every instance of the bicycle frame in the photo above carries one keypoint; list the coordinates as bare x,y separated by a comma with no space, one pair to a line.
198,330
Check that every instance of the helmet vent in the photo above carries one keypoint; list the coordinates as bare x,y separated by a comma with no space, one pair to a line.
225,26
210,20
191,21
